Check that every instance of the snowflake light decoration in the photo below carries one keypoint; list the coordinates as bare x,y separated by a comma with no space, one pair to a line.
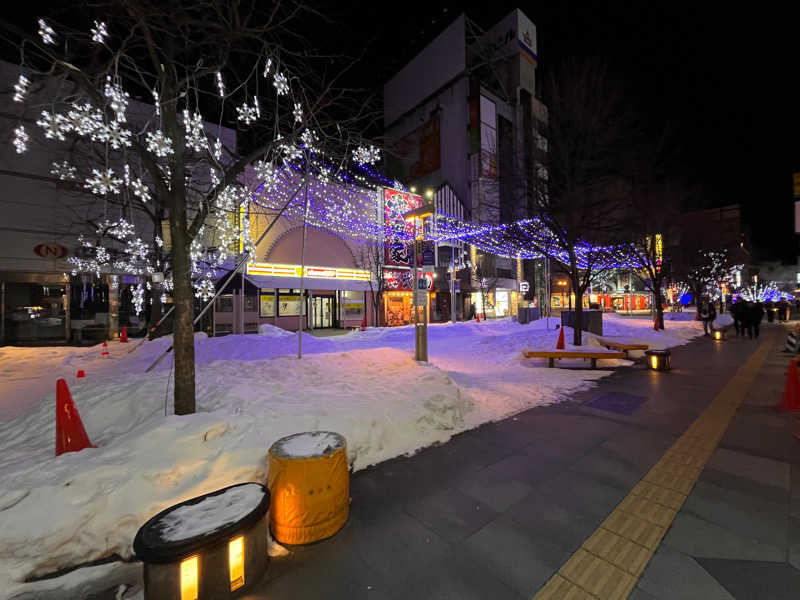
103,182
267,67
195,133
53,125
281,84
20,139
246,114
290,152
85,120
220,85
46,32
117,96
297,112
140,190
99,32
159,144
121,229
204,288
116,135
218,149
21,88
366,156
63,170
310,140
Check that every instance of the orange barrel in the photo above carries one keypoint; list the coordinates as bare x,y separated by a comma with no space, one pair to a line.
309,483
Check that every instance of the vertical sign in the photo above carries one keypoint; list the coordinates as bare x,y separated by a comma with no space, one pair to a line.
398,231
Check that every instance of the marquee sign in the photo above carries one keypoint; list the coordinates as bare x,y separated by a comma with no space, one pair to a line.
51,250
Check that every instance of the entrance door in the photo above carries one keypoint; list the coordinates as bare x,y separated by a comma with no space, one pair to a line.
323,312
34,313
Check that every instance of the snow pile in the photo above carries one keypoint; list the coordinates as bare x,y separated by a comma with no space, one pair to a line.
59,512
211,513
273,331
305,445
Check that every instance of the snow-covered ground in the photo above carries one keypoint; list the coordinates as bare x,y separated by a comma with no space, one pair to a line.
57,512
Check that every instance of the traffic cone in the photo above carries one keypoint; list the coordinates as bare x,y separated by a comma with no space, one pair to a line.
123,338
105,349
364,323
791,390
81,374
477,317
560,344
70,434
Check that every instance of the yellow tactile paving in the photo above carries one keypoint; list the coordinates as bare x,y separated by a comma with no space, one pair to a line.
597,576
619,551
559,588
609,563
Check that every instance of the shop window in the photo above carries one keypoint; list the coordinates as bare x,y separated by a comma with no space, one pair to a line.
290,303
266,303
225,303
250,303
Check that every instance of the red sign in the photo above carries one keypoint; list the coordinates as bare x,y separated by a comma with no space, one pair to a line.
51,250
398,232
401,279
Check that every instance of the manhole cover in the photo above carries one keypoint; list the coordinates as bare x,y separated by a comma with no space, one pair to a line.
617,402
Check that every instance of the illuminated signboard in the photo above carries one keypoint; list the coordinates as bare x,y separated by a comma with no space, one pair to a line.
278,270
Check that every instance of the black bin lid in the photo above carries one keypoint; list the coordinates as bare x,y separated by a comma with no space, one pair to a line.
185,528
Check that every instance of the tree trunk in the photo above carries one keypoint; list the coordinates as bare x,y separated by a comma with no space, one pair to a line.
659,300
578,312
183,329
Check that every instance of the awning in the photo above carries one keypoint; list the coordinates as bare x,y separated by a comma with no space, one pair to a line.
309,283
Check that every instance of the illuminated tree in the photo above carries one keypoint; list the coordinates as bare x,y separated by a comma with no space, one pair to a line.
199,66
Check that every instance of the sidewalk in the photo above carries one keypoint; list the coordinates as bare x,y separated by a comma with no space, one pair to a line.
499,510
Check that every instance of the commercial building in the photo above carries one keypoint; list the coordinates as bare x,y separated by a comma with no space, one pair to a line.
461,118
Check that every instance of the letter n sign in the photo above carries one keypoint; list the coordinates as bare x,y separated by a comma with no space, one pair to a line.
51,250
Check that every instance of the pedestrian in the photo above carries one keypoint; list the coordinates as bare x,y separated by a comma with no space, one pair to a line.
756,314
707,314
737,312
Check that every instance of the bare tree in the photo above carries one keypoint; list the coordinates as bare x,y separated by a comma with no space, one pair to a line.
370,258
211,61
485,275
574,189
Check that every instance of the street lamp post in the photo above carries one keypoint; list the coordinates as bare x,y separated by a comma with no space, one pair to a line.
419,296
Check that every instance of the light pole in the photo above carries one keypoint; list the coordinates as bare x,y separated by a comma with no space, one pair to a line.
419,296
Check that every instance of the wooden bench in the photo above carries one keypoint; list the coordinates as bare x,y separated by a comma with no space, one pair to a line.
622,346
552,355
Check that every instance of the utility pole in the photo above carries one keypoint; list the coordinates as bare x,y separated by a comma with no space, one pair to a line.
419,296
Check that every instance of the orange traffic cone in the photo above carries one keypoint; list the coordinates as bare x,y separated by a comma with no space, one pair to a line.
124,335
81,374
791,390
560,344
477,317
364,323
105,349
70,434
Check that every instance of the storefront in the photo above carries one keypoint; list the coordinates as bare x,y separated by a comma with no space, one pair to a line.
397,299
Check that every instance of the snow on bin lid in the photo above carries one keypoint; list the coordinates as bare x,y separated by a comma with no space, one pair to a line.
187,527
306,445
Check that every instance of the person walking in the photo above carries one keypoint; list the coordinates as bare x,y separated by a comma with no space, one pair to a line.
707,314
737,312
756,313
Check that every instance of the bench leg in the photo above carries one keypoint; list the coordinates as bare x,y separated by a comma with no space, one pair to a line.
594,363
551,362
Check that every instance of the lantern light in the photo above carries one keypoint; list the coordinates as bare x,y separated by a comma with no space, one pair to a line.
718,335
189,578
658,359
236,562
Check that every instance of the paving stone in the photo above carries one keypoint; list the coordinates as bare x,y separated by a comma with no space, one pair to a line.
742,514
455,577
451,513
519,559
494,488
794,542
659,495
675,576
582,493
639,594
761,470
610,468
560,525
701,538
794,506
634,528
752,580
745,486
622,553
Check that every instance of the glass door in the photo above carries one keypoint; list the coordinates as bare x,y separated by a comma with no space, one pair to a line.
323,312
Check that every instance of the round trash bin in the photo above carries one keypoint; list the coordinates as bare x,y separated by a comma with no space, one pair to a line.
310,486
206,548
658,360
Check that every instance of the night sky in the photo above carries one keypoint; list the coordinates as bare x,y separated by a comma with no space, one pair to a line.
726,79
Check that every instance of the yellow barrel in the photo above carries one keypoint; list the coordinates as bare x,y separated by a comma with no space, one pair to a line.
310,486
